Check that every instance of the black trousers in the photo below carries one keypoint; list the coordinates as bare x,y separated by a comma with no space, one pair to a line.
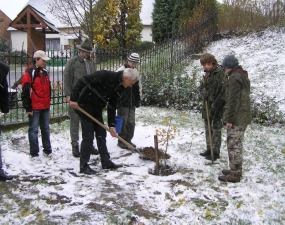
89,128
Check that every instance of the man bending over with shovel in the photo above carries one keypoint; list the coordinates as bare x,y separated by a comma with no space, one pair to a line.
90,96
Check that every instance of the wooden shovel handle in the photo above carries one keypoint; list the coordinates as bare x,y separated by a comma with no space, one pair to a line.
107,129
208,122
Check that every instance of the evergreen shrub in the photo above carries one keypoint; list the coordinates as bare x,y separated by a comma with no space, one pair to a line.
266,111
171,89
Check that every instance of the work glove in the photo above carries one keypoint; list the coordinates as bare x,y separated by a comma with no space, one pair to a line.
204,94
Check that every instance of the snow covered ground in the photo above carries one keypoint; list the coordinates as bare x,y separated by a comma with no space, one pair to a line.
53,192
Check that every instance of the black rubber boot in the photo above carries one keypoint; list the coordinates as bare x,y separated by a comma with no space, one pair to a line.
94,151
206,153
209,157
87,170
4,177
108,164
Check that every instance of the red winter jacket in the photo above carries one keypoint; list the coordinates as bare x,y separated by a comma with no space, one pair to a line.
36,89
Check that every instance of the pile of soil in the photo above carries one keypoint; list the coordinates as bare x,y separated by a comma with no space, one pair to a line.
164,170
149,153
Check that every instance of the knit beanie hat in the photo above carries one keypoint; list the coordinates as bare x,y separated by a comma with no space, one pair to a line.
134,58
230,61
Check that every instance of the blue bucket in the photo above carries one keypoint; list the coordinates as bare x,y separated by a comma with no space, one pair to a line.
119,123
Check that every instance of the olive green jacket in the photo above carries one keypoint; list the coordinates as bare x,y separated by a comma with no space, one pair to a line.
75,69
237,109
215,86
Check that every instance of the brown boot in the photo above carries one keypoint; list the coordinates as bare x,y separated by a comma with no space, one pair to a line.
226,172
229,178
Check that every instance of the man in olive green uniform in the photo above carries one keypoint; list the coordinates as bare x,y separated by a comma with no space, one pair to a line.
212,90
75,68
237,115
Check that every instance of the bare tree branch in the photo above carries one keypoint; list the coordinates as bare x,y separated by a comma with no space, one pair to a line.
75,14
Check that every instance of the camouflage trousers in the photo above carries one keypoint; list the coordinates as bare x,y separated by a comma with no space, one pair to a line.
216,133
234,142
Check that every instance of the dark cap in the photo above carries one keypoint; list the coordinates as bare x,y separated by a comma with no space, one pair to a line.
230,61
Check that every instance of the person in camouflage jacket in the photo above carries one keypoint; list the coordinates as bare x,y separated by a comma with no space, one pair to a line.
237,116
212,90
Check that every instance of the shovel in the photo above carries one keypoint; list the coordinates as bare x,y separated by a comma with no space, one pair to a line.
107,129
209,125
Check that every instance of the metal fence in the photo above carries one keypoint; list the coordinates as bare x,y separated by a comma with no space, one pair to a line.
155,62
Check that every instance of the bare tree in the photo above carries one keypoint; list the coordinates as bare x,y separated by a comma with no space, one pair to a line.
75,14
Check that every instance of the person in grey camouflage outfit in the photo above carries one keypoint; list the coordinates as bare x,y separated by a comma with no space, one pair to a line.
237,116
212,90
75,68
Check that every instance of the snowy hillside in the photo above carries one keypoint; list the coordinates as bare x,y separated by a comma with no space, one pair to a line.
53,192
262,55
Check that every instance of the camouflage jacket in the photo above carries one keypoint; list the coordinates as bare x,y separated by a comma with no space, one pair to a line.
237,108
215,86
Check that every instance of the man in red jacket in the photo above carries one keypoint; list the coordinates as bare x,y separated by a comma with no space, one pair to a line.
36,96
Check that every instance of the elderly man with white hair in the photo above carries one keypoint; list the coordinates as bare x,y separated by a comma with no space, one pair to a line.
92,93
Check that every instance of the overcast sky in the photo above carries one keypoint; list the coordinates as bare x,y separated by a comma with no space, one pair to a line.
12,7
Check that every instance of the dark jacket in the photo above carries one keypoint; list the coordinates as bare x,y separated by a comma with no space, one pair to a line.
215,81
238,108
131,96
93,92
4,95
36,89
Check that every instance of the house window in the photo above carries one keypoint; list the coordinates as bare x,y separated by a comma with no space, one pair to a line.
53,44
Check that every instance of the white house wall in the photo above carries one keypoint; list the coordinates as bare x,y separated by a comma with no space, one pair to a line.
63,40
146,34
18,38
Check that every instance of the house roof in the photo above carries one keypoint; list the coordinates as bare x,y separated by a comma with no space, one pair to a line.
4,14
42,6
38,20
